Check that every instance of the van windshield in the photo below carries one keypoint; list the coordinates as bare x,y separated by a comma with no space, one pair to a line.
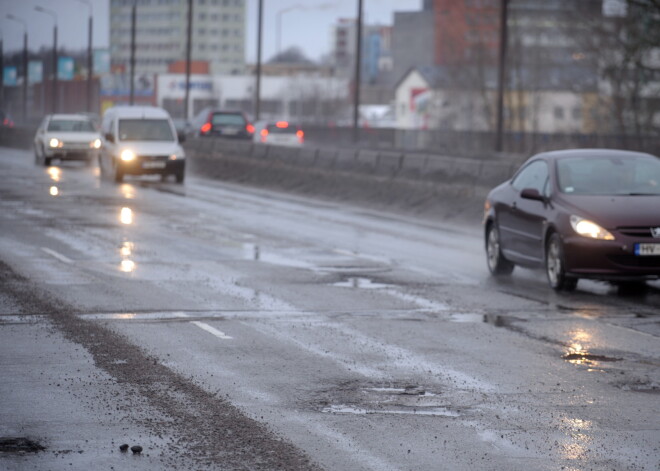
145,130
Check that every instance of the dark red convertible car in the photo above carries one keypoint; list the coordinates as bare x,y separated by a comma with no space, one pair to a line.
584,213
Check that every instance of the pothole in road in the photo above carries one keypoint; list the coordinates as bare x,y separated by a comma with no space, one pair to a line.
640,386
360,282
581,358
19,445
385,398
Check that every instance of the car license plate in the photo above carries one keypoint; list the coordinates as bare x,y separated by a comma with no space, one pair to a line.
153,164
647,249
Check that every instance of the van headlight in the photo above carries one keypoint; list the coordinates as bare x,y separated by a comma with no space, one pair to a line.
55,142
127,155
587,228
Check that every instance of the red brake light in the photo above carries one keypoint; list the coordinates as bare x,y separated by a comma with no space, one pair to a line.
282,124
206,127
249,128
264,134
301,135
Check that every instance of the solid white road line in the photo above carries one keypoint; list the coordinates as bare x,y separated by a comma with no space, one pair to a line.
211,330
57,255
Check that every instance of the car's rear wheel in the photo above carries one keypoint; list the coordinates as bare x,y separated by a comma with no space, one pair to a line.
555,267
497,264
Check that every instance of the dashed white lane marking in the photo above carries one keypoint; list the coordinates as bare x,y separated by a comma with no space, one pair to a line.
57,255
212,330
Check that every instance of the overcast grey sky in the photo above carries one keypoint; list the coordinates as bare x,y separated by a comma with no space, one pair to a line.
305,23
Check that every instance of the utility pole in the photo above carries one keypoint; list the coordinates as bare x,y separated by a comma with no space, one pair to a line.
257,93
188,57
131,97
358,66
90,65
501,75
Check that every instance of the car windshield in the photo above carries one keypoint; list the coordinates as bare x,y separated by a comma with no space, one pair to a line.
145,130
70,125
225,119
623,175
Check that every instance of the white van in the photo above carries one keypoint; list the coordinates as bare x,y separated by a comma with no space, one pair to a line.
139,140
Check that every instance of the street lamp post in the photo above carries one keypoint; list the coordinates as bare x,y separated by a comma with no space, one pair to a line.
90,65
257,97
131,97
54,15
279,25
358,66
25,62
188,57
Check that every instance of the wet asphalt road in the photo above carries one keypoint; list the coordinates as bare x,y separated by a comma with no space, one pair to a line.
222,327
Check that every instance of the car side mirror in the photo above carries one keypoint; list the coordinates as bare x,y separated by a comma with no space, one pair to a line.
109,137
532,194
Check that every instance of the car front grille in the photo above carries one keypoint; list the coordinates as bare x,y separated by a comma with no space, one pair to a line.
643,232
153,158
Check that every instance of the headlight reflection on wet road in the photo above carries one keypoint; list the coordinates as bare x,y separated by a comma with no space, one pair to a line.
126,216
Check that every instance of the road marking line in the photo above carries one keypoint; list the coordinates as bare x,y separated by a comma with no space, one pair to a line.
211,330
57,255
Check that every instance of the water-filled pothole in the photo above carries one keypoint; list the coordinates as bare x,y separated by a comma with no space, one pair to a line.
580,358
359,282
19,445
385,398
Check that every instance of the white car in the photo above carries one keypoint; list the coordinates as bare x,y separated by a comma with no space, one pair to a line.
66,137
140,140
280,133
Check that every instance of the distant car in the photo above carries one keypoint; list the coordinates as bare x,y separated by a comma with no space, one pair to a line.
66,137
5,120
140,140
590,213
222,123
280,133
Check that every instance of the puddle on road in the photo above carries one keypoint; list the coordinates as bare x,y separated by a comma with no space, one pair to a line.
359,282
388,398
344,409
584,358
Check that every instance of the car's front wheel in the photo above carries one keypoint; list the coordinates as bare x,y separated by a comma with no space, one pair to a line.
497,264
555,267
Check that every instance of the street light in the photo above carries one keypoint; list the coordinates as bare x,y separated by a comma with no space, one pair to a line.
279,24
54,15
25,61
89,56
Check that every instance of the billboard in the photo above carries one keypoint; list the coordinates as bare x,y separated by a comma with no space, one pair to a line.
101,61
35,72
10,76
65,68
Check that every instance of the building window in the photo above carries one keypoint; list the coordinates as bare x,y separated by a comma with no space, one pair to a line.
577,113
559,112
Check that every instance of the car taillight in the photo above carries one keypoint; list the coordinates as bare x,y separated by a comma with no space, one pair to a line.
282,124
264,135
206,127
249,128
301,136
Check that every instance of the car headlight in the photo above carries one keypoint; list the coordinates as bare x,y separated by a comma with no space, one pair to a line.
587,228
127,155
55,142
95,144
177,156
